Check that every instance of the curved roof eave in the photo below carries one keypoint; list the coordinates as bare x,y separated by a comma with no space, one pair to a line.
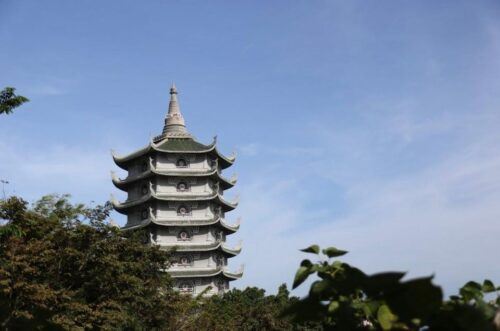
136,226
230,227
232,275
207,248
183,223
204,148
121,161
233,251
121,207
205,273
227,161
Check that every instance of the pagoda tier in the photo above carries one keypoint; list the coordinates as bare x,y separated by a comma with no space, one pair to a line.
213,173
186,146
217,221
175,191
151,197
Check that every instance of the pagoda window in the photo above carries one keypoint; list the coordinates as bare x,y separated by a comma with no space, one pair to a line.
184,260
144,189
183,236
186,288
183,210
219,235
144,214
182,163
182,187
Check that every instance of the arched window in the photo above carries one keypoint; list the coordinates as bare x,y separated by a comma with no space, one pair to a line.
182,186
186,288
183,210
181,163
184,260
219,235
184,236
144,213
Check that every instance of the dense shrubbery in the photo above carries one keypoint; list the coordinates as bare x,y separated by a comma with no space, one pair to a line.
63,267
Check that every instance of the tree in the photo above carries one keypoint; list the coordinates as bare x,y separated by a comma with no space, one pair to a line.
345,298
248,309
9,100
63,267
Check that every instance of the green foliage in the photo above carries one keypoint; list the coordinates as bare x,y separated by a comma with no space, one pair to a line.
248,309
9,100
345,298
63,267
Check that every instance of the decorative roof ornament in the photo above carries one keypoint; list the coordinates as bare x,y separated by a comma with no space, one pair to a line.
174,122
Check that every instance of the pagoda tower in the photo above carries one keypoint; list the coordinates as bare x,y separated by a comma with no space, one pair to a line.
175,190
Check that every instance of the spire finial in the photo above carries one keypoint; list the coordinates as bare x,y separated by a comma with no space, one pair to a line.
174,122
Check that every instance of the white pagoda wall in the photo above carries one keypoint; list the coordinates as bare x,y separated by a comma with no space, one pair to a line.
167,211
169,162
198,260
200,284
168,236
196,186
199,210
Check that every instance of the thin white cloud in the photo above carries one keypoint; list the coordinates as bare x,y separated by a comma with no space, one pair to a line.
443,218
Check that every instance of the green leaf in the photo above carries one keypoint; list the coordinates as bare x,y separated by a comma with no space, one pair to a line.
333,252
385,317
320,288
471,290
417,298
306,263
333,306
311,249
301,276
488,286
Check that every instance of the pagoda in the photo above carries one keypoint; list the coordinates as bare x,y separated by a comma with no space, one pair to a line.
175,190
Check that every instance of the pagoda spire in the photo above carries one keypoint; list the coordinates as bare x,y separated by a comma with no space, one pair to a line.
174,122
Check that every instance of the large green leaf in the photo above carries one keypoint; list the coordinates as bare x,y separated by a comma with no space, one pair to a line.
311,249
381,283
488,286
333,306
321,289
471,291
385,317
333,252
417,298
302,273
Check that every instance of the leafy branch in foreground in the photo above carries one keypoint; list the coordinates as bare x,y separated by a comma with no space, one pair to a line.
9,100
345,298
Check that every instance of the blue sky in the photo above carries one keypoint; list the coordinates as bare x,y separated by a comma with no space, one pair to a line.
369,125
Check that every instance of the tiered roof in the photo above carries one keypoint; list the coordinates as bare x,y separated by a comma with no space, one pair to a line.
186,145
176,139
